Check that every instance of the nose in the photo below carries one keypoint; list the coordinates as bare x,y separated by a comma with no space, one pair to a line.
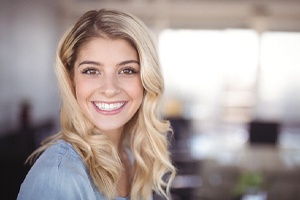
109,86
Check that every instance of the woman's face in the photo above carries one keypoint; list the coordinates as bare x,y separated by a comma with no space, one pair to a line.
107,83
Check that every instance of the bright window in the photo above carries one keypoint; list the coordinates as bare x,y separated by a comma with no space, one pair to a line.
198,65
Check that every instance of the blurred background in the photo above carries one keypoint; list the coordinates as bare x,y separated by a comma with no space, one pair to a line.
232,75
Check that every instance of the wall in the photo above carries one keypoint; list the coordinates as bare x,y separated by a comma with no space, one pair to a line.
29,33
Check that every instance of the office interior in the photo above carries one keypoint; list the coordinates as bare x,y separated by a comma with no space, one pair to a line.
232,90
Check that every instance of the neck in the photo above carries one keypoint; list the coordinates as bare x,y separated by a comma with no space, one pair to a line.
116,138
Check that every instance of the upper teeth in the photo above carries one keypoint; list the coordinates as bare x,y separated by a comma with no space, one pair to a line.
109,106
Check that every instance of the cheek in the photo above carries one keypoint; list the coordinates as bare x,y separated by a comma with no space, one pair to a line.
138,91
133,89
83,89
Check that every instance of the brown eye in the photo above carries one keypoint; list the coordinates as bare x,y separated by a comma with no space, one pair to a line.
128,71
90,71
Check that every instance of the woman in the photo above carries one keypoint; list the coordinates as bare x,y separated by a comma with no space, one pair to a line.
113,143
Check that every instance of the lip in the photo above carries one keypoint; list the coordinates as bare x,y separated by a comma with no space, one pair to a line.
109,108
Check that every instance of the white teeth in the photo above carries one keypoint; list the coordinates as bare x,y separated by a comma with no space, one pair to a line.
109,106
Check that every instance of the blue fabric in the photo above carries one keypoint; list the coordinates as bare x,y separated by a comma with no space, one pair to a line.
59,174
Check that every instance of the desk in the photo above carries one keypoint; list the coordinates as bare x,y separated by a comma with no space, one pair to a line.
226,156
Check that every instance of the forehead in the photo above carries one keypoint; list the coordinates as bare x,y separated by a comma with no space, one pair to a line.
107,48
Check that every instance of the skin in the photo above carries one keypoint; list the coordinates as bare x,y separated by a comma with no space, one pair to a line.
109,90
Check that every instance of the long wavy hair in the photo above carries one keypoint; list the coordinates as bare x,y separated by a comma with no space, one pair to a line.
145,134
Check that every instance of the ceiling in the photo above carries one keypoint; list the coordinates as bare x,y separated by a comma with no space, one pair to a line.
262,15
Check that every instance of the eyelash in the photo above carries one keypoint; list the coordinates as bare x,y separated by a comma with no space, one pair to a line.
130,70
90,71
127,71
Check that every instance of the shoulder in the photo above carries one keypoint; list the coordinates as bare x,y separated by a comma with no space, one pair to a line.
58,158
59,173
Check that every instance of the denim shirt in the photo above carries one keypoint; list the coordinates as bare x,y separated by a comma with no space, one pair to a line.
60,174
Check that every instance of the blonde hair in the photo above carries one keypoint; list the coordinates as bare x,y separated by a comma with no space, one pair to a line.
145,134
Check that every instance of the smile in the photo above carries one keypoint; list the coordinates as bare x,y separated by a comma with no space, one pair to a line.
109,106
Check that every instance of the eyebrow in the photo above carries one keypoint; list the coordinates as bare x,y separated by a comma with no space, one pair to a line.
90,62
128,62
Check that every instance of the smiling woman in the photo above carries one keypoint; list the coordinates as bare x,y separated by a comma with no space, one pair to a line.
108,88
113,143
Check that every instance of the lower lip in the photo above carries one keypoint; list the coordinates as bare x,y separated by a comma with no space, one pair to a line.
109,112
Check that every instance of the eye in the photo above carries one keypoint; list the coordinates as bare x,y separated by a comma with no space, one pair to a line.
90,71
128,71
